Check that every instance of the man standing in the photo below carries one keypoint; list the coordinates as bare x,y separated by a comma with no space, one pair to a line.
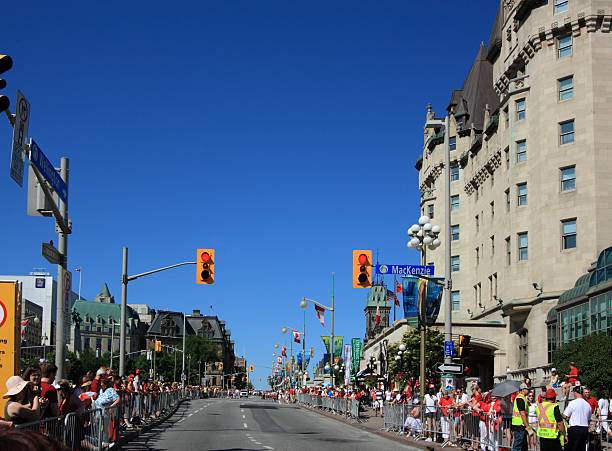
520,422
551,429
48,391
578,413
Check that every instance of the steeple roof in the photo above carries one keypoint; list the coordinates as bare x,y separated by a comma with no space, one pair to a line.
377,297
495,40
105,291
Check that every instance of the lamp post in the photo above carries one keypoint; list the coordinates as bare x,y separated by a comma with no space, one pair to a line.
448,309
303,306
284,330
423,235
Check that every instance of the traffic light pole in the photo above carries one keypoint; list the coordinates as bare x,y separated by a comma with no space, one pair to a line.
125,279
62,247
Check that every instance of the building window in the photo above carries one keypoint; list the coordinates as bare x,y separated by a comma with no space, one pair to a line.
601,323
492,245
494,285
566,132
561,6
455,232
477,255
523,349
98,343
508,251
455,300
523,246
521,151
455,265
454,172
109,345
452,143
552,340
430,211
575,323
506,118
521,194
492,206
477,219
568,234
564,46
520,109
455,202
566,88
507,156
507,193
568,178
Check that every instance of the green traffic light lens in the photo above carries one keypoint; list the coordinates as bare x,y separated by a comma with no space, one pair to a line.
205,275
363,278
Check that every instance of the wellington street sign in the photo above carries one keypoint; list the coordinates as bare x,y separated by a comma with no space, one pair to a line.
44,166
52,255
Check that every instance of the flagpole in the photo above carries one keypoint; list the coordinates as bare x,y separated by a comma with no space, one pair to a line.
395,291
331,341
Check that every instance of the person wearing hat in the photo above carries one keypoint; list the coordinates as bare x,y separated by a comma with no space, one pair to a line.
16,409
520,421
554,378
578,414
551,429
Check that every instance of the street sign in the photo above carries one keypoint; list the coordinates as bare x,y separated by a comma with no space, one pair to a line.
451,368
20,134
51,253
44,166
405,270
449,348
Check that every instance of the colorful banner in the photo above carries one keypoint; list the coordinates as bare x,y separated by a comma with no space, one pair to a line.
347,364
433,299
356,351
338,342
10,332
325,339
410,286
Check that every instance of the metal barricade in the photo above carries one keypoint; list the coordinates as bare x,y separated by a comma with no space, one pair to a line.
51,427
393,419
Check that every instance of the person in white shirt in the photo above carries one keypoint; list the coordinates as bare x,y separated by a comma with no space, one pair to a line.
578,414
431,402
604,409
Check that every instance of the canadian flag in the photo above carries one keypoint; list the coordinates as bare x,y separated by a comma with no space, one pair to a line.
296,336
398,288
377,319
320,314
24,325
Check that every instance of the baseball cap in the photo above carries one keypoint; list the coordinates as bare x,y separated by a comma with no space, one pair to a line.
578,389
524,386
553,370
550,394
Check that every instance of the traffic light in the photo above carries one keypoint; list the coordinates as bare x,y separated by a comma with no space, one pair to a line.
362,268
158,346
251,368
205,266
6,62
463,350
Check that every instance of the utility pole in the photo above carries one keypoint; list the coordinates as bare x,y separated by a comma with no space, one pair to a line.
61,277
331,338
184,341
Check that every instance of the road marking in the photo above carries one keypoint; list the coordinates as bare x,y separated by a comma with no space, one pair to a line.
257,443
190,414
245,425
241,411
268,447
243,417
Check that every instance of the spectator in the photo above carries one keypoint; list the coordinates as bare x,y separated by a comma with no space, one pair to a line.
108,396
533,418
32,374
592,401
550,427
445,402
520,420
16,409
24,439
431,402
604,411
70,401
554,378
48,391
95,382
578,413
570,380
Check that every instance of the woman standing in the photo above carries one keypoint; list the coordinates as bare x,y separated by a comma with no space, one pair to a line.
18,409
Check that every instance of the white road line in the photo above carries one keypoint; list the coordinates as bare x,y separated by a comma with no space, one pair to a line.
241,411
243,417
190,414
257,443
268,447
245,425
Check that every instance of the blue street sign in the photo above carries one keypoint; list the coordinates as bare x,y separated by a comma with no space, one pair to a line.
44,166
449,348
405,270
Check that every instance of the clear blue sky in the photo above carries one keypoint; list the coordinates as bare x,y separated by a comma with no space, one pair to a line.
283,134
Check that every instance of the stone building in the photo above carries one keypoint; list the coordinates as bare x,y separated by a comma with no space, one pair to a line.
31,330
531,178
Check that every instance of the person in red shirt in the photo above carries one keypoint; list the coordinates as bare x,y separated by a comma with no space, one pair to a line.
570,379
445,403
48,391
591,400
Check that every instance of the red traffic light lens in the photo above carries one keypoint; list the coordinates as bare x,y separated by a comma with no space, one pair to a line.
363,259
205,257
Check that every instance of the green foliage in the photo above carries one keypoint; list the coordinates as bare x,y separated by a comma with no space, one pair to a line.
202,350
408,366
592,357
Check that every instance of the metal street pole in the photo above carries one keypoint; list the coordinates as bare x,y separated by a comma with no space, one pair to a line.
112,342
62,247
422,344
448,309
303,377
331,338
124,282
184,340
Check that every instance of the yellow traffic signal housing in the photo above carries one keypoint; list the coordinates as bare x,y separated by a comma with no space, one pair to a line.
6,62
463,350
205,266
251,368
362,268
158,346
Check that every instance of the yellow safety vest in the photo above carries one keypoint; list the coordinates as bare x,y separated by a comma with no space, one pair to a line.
517,420
547,425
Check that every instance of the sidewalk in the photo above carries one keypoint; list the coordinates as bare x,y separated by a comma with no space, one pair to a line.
375,425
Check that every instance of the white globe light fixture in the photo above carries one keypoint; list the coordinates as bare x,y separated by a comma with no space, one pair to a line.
284,330
427,227
435,229
303,304
402,347
397,358
424,220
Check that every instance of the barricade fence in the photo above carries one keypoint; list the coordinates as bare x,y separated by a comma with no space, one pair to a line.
347,407
101,428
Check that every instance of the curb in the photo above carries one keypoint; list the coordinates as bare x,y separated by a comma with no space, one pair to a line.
132,434
404,440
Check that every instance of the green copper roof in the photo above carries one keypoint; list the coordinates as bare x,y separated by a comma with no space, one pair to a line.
377,297
105,291
93,309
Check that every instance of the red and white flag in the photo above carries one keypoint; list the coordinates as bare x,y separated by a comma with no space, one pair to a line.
391,296
398,288
296,336
24,325
377,315
284,351
320,314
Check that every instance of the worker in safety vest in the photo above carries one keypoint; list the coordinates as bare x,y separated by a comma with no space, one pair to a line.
551,429
520,422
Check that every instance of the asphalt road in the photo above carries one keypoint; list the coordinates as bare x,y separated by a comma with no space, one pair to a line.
253,424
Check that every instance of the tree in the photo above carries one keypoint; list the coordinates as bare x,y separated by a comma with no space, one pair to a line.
592,357
409,364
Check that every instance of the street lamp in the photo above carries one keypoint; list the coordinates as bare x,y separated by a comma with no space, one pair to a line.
424,235
284,330
448,310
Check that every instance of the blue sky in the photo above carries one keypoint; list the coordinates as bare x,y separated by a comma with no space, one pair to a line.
283,134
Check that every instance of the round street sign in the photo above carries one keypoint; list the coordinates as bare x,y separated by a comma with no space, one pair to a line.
3,313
